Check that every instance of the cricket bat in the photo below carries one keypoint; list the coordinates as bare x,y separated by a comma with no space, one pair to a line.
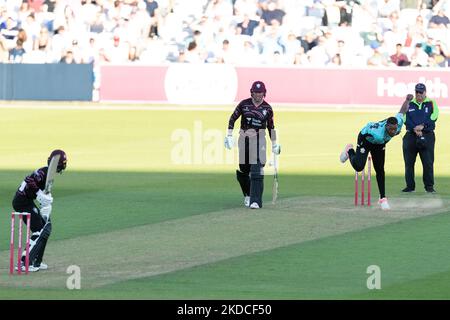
275,179
51,173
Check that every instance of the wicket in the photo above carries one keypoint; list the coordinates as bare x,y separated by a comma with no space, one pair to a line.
369,177
19,249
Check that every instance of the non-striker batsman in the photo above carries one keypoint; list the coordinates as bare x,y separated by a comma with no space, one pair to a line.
256,116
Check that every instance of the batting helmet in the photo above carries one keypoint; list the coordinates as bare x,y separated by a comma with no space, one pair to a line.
62,163
258,86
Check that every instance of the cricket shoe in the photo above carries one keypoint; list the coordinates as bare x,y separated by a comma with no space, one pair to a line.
384,204
43,266
344,154
254,205
31,268
247,201
430,190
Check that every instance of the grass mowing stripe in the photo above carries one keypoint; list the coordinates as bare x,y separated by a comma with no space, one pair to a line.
429,287
183,243
412,256
329,268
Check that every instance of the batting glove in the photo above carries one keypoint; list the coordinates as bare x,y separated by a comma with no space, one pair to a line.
46,211
276,148
44,199
229,142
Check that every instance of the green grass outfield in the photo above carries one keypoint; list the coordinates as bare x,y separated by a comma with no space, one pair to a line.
149,208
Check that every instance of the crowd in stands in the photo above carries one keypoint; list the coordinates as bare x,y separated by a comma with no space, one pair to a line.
351,33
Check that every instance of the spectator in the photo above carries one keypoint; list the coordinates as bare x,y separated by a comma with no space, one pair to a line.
345,11
41,55
133,54
88,12
118,52
428,46
97,25
318,55
43,40
50,5
181,57
16,54
77,52
102,57
153,11
335,60
226,54
308,41
4,53
245,8
439,20
419,58
219,8
386,7
345,53
24,12
22,35
270,42
248,55
10,33
272,14
247,26
373,34
32,28
301,58
441,55
416,33
60,43
399,58
193,55
291,46
91,52
391,23
258,31
278,58
3,16
378,59
392,37
68,58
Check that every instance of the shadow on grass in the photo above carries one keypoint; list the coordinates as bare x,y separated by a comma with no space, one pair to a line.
93,202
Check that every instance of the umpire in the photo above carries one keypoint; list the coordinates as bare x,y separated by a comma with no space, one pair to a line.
420,123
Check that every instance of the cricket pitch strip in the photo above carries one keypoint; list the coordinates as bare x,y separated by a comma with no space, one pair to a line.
173,245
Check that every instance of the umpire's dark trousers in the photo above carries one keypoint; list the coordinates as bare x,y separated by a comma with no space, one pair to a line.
410,151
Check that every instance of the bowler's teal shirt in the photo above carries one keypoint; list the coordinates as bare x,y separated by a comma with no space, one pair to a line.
376,133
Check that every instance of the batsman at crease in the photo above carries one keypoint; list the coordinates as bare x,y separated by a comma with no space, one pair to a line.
256,116
33,187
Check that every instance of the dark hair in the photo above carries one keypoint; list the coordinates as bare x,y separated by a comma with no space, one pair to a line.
192,45
392,120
